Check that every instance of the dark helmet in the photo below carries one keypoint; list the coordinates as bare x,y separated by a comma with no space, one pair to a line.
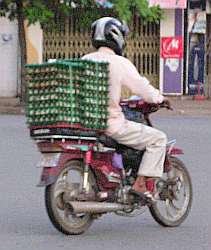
109,32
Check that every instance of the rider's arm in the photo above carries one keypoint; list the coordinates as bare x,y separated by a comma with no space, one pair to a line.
139,85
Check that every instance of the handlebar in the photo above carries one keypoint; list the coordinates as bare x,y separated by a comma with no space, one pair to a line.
166,104
144,107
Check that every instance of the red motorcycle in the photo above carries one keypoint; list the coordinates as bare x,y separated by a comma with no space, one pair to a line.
87,174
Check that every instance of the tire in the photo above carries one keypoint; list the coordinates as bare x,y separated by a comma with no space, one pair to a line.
82,222
168,221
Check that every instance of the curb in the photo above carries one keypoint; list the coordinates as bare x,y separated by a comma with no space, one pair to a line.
182,105
11,106
9,110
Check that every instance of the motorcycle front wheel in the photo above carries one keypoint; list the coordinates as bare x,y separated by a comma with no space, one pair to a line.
174,191
68,184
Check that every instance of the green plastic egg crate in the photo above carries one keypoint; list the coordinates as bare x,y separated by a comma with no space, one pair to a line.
73,92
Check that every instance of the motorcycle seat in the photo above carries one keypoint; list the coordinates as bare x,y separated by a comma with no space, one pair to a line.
110,142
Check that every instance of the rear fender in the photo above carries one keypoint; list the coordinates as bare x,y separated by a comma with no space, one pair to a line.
50,173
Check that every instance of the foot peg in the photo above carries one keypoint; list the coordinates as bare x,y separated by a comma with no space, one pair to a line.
145,198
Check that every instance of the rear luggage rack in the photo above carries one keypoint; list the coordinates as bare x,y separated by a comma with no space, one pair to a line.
62,137
61,131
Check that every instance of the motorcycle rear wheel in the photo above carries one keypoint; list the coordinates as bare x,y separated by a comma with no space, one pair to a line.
61,218
167,212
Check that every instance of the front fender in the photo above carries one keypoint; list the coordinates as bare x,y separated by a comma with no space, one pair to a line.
175,151
50,173
171,151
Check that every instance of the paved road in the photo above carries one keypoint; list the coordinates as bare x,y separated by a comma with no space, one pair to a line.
25,225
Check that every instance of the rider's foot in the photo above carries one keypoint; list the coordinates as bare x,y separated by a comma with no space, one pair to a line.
140,190
140,184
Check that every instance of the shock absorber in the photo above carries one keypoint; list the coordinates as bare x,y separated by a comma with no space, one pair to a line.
88,159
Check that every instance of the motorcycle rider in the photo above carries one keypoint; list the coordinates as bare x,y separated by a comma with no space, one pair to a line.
108,37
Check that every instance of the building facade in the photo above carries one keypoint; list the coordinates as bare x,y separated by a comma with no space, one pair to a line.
198,48
146,46
10,68
165,53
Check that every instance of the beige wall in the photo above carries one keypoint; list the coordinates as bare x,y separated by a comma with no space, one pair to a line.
8,58
34,39
10,54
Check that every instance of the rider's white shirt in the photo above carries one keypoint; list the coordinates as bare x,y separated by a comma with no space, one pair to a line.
123,73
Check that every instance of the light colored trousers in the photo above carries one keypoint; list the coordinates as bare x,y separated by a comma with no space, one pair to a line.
140,136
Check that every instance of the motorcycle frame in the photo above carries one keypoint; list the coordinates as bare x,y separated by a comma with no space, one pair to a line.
50,173
83,150
76,150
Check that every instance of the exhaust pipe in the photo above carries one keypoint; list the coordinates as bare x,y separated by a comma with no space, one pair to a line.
95,207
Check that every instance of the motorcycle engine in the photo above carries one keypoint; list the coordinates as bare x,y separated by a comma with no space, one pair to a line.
131,161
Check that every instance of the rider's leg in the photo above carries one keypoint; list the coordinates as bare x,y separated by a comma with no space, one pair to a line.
140,136
152,165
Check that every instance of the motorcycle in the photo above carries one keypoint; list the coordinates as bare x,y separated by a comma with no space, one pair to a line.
87,174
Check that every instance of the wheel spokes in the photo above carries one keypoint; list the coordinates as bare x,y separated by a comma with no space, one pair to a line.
68,186
168,209
171,204
176,203
66,215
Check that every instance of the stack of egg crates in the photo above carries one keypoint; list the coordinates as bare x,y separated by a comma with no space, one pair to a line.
72,92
